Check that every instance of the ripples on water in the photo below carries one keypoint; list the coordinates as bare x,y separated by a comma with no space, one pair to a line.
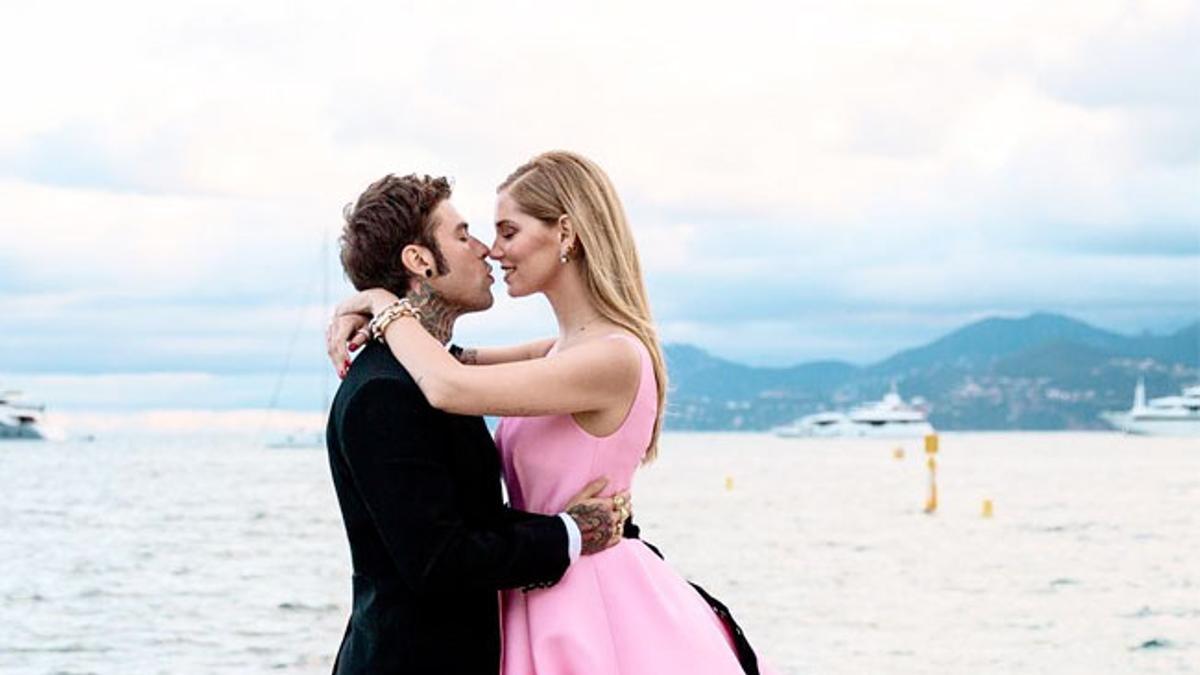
190,556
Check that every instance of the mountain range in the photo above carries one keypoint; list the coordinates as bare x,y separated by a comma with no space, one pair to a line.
1042,371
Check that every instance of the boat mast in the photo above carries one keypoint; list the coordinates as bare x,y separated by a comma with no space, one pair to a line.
324,307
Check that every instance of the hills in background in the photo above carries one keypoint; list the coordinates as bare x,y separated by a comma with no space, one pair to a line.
1043,371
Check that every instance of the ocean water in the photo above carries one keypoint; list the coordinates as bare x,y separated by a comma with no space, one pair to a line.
187,555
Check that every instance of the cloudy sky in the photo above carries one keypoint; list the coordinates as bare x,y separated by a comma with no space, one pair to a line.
810,180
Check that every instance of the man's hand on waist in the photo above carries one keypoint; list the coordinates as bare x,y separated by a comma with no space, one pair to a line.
600,519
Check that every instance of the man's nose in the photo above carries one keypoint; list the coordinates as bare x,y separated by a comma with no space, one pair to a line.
481,249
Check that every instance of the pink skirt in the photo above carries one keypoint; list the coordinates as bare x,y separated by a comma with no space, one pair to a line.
623,611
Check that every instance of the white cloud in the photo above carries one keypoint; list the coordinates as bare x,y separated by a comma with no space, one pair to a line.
920,154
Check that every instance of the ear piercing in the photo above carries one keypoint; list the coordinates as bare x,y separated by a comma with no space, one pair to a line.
565,256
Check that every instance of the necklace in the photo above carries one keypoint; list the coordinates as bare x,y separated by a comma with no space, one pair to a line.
569,336
587,323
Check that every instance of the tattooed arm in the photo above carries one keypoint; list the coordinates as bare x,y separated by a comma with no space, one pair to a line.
596,375
347,333
486,356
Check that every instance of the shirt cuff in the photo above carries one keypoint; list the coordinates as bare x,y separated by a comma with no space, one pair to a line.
574,537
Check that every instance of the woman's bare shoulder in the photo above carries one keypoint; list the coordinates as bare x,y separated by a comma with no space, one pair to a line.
615,347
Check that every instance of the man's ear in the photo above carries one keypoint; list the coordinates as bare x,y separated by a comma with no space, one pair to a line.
418,260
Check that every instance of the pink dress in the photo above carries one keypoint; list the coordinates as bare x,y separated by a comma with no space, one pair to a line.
623,611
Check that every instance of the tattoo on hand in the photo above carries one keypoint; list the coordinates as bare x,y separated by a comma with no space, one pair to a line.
595,520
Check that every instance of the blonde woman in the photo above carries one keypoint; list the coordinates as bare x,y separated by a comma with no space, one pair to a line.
587,404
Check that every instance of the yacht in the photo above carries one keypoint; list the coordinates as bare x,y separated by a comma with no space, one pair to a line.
19,420
1165,416
889,417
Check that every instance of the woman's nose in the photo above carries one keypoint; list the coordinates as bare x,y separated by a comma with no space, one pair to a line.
495,253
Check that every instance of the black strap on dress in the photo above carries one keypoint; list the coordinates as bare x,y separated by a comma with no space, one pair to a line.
745,653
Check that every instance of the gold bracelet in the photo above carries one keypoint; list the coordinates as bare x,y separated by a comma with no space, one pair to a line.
397,310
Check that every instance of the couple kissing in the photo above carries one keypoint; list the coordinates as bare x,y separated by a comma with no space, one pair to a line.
447,578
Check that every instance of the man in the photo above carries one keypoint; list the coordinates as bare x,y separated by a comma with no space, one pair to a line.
419,489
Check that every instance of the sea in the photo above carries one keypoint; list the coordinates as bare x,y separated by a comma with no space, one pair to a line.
220,555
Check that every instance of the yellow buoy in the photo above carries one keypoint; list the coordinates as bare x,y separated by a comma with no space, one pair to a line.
729,483
931,448
987,508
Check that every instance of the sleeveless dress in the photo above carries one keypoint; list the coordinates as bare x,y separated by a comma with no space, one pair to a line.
622,611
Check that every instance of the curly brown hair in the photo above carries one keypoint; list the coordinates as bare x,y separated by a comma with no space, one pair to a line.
389,215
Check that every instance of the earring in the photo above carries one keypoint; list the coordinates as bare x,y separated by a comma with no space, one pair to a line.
563,258
428,273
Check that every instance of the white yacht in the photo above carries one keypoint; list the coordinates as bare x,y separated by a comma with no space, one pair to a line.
1165,416
889,417
19,420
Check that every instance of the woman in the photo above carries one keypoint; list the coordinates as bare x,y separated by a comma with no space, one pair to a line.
585,405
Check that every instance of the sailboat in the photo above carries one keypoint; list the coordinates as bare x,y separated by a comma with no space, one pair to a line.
302,439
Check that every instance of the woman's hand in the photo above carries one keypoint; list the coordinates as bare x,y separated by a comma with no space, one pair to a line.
347,330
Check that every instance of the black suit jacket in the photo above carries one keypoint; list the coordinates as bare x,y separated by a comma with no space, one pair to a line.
430,539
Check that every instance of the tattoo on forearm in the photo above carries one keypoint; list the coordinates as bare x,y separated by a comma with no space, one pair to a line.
595,524
469,356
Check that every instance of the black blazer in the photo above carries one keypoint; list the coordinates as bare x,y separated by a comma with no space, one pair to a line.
430,539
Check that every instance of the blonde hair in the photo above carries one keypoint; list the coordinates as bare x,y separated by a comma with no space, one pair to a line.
560,183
